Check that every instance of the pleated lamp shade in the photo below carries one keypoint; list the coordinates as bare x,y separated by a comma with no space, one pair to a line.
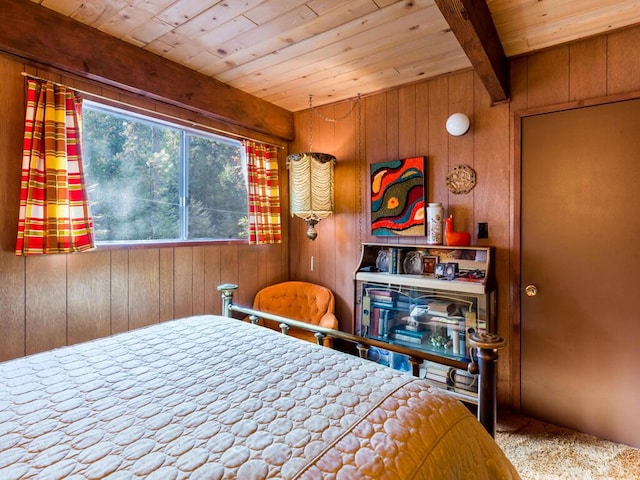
311,187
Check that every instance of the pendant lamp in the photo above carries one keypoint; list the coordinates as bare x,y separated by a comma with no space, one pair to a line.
311,183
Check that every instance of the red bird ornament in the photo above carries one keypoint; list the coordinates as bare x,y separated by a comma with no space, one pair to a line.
457,239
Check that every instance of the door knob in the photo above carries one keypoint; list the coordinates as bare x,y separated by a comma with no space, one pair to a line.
531,290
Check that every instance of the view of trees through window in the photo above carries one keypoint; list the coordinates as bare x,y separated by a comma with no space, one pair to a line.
149,180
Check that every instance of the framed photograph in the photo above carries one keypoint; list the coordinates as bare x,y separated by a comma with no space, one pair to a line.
450,270
398,192
429,264
439,271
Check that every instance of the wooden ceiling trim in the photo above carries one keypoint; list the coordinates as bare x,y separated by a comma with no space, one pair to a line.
473,26
41,35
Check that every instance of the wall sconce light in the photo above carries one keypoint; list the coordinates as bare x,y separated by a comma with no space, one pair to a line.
458,124
311,187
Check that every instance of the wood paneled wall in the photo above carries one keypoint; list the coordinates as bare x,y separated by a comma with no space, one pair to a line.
54,300
410,121
395,124
49,301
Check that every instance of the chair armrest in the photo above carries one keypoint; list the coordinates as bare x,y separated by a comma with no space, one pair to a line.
329,320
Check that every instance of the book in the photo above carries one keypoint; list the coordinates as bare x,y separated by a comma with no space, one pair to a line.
393,263
402,337
442,308
466,388
436,378
462,378
380,321
465,392
435,370
412,333
381,296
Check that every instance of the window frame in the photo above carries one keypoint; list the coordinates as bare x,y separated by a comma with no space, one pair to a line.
184,131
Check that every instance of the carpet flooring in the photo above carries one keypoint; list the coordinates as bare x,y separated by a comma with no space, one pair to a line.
541,451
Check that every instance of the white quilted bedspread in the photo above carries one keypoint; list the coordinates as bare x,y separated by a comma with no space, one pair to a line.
213,398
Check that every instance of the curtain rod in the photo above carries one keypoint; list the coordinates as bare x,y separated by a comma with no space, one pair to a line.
153,112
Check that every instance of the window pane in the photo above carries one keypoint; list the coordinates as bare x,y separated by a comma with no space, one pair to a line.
217,189
133,172
138,169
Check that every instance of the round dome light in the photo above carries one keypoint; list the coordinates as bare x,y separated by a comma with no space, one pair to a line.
458,124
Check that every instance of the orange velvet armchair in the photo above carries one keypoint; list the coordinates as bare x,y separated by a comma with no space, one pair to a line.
303,301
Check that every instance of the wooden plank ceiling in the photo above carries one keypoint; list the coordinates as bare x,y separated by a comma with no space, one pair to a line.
283,51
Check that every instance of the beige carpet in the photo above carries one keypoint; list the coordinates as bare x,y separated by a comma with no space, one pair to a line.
541,451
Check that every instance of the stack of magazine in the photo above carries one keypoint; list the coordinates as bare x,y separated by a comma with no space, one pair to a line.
465,383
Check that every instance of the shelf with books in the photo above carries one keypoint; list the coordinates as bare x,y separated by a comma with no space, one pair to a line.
423,312
467,269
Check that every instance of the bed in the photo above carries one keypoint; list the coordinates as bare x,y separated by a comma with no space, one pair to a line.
211,397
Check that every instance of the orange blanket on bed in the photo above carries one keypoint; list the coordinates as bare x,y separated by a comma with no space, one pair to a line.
212,398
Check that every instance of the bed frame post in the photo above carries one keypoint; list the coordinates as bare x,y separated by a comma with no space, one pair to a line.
227,290
488,345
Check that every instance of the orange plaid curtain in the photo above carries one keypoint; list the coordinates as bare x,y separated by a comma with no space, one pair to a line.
54,212
264,195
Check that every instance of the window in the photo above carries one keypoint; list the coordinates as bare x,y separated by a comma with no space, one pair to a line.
150,180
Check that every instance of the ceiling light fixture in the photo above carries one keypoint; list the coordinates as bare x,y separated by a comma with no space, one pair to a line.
311,183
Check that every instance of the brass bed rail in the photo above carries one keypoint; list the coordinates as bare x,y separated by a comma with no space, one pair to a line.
487,346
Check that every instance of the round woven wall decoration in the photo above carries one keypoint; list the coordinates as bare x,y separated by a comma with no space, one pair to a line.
461,179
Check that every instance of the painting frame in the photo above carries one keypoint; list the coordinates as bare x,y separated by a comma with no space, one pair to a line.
398,192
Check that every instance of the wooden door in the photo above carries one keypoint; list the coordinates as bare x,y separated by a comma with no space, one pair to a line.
580,232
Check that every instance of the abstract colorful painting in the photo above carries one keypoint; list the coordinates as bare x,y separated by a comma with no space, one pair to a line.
398,190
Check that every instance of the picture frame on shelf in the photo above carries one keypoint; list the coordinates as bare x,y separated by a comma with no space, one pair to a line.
450,270
429,263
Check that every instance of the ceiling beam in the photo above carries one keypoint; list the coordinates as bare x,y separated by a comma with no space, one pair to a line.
471,23
38,34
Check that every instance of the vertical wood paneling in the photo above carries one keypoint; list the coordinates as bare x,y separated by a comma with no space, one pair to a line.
438,141
375,123
87,281
623,61
461,148
249,264
212,299
548,82
392,119
13,301
230,266
46,301
407,122
588,69
277,264
324,268
119,291
347,202
144,287
277,255
491,154
300,245
198,282
12,268
183,281
166,284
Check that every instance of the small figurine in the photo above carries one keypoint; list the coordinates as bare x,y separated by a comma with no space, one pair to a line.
457,239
